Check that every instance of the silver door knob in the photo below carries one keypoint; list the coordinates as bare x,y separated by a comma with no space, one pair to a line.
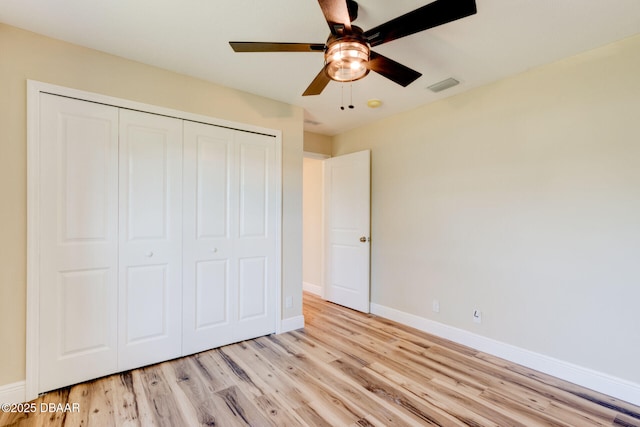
149,254
363,239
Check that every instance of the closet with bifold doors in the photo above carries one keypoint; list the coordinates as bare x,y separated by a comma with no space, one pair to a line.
157,237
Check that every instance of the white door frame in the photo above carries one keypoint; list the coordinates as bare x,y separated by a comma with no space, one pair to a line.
34,88
316,288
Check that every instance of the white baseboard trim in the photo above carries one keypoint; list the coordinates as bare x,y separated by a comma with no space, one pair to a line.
585,377
12,393
292,323
311,288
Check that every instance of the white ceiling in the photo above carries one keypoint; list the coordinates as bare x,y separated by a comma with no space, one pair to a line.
505,37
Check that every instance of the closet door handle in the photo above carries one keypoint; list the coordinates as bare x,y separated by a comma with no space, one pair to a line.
149,254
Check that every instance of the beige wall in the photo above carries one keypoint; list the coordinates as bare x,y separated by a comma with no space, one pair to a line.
312,230
316,143
25,56
522,199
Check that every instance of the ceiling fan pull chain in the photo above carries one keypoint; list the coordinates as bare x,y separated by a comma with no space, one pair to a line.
342,95
351,94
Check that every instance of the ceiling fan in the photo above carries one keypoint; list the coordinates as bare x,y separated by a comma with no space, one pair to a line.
347,52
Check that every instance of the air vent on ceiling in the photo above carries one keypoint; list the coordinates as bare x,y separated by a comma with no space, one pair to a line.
444,84
311,122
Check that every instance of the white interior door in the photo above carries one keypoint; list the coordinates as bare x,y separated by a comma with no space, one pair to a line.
209,268
150,250
78,211
347,224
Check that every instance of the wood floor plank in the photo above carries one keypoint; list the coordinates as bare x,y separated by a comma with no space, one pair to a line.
102,410
278,414
252,374
625,421
415,359
562,391
162,403
458,412
516,379
348,390
78,393
330,338
311,417
576,417
143,404
268,376
325,400
48,418
124,399
193,395
214,370
211,405
301,393
344,368
393,396
243,411
305,345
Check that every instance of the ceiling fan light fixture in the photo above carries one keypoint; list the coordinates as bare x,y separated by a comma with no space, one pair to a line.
346,60
347,54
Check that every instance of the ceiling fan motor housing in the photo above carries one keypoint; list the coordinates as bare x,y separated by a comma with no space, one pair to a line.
346,56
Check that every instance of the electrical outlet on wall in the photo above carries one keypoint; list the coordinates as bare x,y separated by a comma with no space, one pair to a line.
477,316
288,302
435,306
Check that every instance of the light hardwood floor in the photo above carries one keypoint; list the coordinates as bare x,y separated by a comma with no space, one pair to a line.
344,369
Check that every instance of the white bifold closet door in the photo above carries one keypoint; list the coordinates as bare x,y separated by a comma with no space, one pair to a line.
208,265
150,250
157,238
255,236
78,222
229,236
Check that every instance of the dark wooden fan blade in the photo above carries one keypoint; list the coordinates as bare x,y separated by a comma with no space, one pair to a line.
437,13
318,84
336,13
392,70
276,47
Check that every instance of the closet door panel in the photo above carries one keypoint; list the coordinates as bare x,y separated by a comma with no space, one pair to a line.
147,287
252,288
150,298
255,237
212,289
212,173
148,192
209,266
78,214
253,190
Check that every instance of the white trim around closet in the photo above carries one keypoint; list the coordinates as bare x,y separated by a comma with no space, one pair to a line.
34,89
